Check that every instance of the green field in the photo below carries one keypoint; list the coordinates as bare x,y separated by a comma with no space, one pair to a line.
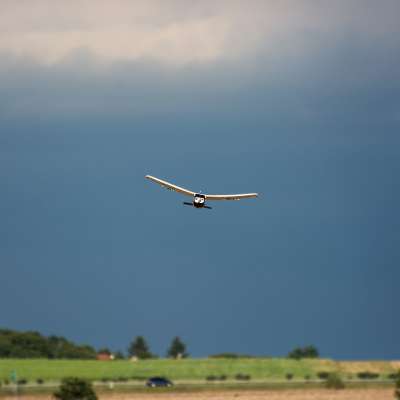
260,369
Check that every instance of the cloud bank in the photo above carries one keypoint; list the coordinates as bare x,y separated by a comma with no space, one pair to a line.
179,33
160,56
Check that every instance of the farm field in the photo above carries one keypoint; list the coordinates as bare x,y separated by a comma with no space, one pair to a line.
295,394
259,369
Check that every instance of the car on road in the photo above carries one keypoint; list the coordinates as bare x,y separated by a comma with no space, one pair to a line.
158,381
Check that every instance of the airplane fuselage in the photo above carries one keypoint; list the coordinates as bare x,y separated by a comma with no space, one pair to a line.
199,200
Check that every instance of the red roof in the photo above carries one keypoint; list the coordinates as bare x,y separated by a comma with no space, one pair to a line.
104,357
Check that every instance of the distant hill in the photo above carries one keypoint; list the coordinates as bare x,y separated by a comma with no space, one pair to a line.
14,344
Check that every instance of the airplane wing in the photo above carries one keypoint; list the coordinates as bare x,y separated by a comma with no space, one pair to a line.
170,186
230,196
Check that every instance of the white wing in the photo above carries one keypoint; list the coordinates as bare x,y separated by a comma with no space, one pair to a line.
231,196
170,186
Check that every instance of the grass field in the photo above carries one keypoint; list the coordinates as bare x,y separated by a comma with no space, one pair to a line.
260,369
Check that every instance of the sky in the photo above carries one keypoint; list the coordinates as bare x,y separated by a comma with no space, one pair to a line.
298,101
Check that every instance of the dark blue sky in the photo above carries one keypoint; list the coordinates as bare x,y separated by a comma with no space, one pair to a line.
308,116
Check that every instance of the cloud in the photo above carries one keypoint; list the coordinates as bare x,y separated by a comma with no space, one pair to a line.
146,57
178,33
113,31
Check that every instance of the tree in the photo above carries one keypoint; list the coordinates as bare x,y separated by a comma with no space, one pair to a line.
119,355
14,344
139,348
75,389
177,349
304,352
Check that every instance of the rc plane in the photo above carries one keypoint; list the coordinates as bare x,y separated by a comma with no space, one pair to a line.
199,199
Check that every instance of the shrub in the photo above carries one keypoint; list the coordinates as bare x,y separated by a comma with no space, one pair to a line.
397,390
334,381
6,382
323,375
393,376
242,377
39,381
216,378
289,376
104,380
367,375
307,377
22,381
75,389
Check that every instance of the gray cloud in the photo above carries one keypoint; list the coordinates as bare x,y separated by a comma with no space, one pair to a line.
160,57
174,34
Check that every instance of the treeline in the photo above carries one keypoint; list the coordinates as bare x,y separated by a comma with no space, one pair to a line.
14,344
31,344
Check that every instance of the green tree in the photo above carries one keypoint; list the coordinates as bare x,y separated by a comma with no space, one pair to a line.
14,344
75,389
304,352
119,355
177,349
139,348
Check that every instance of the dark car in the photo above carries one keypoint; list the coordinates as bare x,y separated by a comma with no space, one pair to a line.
158,381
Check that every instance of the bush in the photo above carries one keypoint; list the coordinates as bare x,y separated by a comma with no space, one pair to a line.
323,375
393,377
307,377
367,375
242,377
75,389
289,376
22,381
334,381
216,378
397,390
39,381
